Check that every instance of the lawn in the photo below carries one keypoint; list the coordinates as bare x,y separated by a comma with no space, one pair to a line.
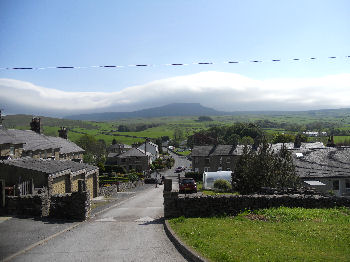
282,234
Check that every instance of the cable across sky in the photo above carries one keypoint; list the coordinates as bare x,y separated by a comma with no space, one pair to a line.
174,64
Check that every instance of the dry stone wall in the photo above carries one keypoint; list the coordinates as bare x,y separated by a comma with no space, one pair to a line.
108,191
206,206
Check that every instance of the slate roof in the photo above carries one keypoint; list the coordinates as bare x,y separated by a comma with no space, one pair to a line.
33,141
8,138
118,146
323,163
218,150
48,166
303,146
65,145
133,152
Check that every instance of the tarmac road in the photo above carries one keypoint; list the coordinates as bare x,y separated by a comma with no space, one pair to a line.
130,231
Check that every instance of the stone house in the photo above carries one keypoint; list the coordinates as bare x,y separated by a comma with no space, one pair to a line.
313,162
214,158
134,158
118,148
330,166
57,176
150,147
10,147
114,151
16,143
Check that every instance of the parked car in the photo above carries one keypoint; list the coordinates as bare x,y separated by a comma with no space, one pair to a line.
179,169
187,185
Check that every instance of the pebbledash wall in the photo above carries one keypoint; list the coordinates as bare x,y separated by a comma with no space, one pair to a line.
176,205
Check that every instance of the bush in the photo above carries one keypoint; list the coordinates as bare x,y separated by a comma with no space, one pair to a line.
198,177
223,185
133,177
114,168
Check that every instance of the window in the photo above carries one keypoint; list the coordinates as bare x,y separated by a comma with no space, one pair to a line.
347,183
228,169
228,160
196,160
206,169
12,150
196,169
207,160
336,185
220,168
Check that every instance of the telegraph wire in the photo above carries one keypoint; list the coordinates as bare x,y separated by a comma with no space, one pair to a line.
172,64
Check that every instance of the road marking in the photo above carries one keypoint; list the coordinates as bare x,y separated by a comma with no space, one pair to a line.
3,219
144,219
106,219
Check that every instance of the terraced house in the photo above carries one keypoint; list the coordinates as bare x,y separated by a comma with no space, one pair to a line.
31,162
16,143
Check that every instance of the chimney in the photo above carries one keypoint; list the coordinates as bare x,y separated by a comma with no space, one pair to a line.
62,133
35,125
146,145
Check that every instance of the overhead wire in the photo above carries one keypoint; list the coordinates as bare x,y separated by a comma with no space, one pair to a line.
170,64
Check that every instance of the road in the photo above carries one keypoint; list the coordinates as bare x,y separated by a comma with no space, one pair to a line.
130,231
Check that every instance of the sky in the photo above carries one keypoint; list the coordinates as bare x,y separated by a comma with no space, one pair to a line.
44,34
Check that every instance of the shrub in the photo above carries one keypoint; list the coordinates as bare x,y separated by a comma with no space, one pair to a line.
133,177
114,168
198,177
223,185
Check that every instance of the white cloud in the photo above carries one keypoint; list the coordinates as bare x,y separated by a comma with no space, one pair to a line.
223,91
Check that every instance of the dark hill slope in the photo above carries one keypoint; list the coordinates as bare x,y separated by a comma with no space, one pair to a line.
176,109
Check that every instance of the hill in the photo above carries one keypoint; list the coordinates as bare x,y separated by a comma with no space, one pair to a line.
176,109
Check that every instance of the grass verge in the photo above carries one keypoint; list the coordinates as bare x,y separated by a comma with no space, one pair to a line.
279,234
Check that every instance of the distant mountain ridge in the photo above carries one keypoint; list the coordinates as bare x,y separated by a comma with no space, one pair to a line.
196,109
175,109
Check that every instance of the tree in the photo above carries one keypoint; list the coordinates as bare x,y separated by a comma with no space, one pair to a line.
114,141
204,119
247,140
283,138
178,134
95,150
264,168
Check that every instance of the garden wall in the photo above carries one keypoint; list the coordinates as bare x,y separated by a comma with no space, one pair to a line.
206,206
75,206
108,191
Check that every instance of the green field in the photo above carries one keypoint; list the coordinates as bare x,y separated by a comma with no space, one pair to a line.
188,125
283,234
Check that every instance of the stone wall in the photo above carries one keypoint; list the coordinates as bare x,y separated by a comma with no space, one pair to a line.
59,185
30,205
110,190
205,206
74,206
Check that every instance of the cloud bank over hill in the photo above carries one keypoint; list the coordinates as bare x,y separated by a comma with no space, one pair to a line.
219,90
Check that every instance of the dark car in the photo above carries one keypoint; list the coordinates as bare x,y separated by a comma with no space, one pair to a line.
179,169
187,185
